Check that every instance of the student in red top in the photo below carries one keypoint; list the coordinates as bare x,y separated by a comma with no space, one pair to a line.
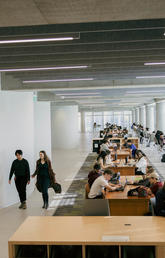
95,173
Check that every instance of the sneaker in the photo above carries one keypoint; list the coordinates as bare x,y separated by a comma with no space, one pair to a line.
46,206
24,205
21,206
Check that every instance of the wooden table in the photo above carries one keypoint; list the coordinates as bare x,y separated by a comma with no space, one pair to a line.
83,232
124,169
121,154
123,205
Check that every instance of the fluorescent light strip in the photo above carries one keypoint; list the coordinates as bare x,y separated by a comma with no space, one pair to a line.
77,94
13,41
44,68
72,97
145,91
60,80
155,63
152,76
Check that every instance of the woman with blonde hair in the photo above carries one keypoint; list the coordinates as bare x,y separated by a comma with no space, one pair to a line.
45,176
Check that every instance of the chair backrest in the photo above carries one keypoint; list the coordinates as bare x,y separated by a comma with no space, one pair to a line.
87,190
96,207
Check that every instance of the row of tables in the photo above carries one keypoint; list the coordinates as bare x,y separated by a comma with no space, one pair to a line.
121,204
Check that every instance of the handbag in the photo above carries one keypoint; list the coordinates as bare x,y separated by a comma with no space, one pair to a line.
56,187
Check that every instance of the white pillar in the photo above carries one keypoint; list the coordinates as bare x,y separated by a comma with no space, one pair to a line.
137,115
160,115
83,122
42,128
133,115
150,116
143,116
64,126
17,132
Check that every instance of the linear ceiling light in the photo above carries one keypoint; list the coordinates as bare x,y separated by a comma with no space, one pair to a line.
155,63
73,97
13,41
77,94
44,68
60,80
152,76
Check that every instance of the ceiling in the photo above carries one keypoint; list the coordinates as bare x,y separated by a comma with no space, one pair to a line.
36,12
114,53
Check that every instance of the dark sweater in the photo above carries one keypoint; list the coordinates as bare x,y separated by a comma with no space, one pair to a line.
20,168
160,203
92,177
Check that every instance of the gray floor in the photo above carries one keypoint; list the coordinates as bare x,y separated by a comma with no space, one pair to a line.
66,164
154,155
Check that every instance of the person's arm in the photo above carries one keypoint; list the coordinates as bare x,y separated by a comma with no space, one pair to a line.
112,188
11,172
28,171
36,171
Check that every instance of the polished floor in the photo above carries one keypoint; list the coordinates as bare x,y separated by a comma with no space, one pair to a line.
66,164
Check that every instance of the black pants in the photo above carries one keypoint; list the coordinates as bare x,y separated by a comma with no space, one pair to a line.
139,173
20,183
44,183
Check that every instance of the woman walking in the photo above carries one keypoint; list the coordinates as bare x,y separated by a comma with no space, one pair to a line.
45,176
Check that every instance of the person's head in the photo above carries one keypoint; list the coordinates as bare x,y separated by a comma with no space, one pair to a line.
43,155
18,154
153,178
129,142
150,170
139,154
108,174
97,167
105,141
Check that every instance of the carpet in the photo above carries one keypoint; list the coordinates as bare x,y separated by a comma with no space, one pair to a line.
72,201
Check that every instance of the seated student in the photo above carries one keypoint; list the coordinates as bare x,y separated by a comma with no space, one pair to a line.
100,183
132,147
125,144
145,181
101,159
160,202
141,164
95,173
105,145
155,184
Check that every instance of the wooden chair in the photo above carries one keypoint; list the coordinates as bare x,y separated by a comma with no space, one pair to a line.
87,190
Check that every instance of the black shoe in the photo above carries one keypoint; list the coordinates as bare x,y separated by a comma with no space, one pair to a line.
43,207
46,206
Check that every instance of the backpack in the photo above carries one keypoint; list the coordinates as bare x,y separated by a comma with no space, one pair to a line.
140,192
163,158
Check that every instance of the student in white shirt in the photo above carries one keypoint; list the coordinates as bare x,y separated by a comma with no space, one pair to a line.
141,164
100,183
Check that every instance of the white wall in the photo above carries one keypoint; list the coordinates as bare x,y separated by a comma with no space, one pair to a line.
42,128
64,126
16,132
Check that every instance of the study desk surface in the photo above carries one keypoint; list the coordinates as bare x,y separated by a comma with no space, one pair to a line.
90,230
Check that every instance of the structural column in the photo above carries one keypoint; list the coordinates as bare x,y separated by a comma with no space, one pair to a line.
133,116
160,115
150,116
142,116
82,122
64,124
137,115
